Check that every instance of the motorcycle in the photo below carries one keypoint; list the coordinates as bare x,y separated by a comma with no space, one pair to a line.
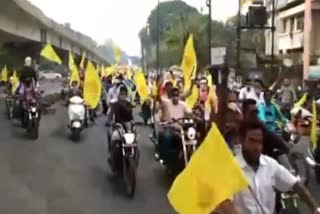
176,156
31,118
124,155
76,113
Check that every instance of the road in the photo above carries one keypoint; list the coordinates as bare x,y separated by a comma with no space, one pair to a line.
50,87
55,176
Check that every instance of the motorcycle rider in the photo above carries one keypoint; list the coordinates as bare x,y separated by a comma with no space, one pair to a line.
261,169
172,108
27,74
120,112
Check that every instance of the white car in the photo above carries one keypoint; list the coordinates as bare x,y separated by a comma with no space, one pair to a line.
49,75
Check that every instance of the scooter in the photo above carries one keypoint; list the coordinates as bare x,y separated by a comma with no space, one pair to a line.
76,113
124,155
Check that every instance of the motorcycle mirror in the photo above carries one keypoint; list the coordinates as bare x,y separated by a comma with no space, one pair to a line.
311,162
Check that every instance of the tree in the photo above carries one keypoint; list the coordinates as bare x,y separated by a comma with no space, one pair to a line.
178,20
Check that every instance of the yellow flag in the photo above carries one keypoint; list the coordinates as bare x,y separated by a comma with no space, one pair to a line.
4,74
154,89
193,98
117,53
212,97
141,85
211,177
243,2
109,71
302,101
71,62
49,53
189,62
129,74
92,86
15,82
82,60
75,75
209,78
314,137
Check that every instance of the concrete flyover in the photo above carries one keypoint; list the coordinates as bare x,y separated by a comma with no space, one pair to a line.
23,24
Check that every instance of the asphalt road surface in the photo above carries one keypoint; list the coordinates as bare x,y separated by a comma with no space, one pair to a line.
55,176
50,86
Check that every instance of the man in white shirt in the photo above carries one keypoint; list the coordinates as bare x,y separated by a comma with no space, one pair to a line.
112,94
264,175
251,91
247,92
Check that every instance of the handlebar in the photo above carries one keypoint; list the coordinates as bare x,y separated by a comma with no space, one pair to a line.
173,120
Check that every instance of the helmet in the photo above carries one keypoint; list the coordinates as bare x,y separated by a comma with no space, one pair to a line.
28,61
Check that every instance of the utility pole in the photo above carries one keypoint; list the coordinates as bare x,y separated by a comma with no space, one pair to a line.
158,38
239,36
307,38
209,5
273,29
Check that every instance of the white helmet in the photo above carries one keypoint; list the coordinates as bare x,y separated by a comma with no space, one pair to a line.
28,61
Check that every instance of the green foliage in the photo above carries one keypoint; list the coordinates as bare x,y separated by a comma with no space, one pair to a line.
178,20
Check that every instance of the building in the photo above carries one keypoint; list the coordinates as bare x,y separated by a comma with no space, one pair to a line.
293,20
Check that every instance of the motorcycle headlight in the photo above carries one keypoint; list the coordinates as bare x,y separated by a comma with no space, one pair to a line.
33,109
129,138
191,133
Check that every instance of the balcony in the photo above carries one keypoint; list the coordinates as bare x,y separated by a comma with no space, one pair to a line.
291,41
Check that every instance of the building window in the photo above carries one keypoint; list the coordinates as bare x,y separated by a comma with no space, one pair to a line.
284,25
300,23
291,24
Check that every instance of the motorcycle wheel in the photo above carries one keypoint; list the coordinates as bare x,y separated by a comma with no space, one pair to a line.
75,135
24,121
129,176
34,130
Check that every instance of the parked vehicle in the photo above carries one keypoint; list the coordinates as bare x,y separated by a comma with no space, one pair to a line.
49,75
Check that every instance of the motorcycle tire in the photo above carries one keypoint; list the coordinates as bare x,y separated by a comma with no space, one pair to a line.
75,135
34,129
129,176
24,121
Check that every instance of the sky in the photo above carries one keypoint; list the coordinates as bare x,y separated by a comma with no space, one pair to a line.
120,20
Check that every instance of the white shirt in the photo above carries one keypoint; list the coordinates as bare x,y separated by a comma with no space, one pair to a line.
112,95
251,94
263,182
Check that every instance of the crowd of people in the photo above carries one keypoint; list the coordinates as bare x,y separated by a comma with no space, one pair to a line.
254,122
